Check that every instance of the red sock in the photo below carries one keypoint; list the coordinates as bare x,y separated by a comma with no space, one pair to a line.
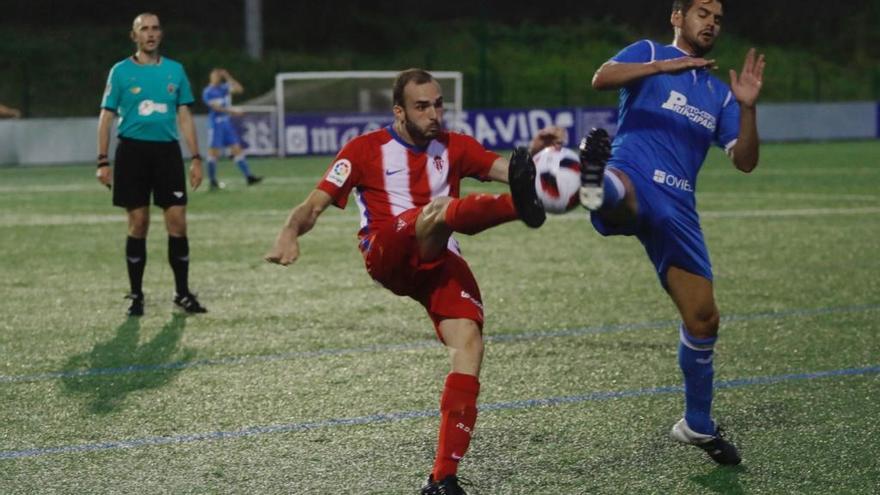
477,212
458,415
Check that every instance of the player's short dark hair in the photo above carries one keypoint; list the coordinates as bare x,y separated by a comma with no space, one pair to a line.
418,76
685,5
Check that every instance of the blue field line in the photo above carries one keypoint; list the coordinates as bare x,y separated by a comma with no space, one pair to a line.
422,344
408,415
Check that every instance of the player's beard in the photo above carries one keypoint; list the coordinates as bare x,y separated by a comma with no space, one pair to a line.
700,47
419,134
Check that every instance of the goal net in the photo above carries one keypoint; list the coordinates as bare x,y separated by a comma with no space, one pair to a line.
318,112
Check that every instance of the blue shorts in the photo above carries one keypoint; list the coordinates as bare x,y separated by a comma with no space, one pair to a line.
668,227
222,135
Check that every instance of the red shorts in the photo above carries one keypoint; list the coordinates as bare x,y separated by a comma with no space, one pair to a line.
444,286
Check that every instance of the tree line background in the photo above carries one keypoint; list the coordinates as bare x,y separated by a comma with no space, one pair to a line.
56,54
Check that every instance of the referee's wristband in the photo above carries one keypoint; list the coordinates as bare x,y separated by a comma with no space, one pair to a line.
103,163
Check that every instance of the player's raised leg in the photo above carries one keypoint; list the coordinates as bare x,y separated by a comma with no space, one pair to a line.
695,299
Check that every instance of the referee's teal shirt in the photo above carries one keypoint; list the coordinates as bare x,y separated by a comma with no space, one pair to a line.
146,98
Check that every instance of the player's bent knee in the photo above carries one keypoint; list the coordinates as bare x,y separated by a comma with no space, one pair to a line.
434,212
703,325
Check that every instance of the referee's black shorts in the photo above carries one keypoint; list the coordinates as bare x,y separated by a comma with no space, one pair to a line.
148,167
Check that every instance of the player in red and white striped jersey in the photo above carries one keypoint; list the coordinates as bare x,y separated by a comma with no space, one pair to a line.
406,182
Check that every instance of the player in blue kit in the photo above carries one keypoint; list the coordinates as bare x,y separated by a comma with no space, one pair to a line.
151,95
221,133
672,109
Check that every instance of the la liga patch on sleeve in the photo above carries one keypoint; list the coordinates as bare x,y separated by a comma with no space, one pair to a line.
339,172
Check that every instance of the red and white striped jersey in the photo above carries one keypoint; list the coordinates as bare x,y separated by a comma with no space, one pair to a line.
390,176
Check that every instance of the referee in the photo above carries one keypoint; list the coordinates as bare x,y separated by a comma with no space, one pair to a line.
151,95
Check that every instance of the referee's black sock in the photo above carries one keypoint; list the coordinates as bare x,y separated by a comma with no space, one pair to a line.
178,258
136,259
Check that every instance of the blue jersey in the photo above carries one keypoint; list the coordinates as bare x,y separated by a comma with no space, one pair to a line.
146,98
217,95
667,122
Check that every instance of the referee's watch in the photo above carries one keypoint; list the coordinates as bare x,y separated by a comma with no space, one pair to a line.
103,161
196,157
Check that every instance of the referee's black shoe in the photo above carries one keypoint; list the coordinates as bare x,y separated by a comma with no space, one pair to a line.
189,303
253,179
521,179
136,308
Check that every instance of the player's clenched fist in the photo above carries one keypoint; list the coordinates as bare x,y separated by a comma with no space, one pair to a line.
286,248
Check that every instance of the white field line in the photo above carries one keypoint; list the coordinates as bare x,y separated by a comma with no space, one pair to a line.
26,220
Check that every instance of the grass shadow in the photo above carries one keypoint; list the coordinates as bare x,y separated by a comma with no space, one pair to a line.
723,479
114,369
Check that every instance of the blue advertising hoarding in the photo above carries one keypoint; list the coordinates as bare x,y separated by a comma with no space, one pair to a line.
325,134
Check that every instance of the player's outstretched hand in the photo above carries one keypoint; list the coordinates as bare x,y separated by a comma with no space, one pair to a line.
746,86
685,63
286,248
195,173
549,136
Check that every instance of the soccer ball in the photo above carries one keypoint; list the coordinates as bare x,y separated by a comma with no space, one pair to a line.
558,179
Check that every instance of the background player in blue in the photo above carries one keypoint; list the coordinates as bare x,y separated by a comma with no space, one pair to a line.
151,95
671,110
221,133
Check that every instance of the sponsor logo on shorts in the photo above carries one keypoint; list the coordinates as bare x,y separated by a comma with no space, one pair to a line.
465,295
667,179
178,194
148,107
339,172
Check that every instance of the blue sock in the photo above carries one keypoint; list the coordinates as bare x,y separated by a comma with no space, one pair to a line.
242,165
612,189
212,170
695,361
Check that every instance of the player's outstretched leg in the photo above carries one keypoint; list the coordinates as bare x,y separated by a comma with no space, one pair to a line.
595,150
521,178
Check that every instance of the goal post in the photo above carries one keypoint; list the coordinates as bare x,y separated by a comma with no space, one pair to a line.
318,112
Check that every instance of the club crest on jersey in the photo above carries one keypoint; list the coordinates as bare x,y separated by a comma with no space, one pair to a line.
171,88
438,162
339,172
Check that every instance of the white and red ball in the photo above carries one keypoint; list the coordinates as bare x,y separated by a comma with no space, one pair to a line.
558,178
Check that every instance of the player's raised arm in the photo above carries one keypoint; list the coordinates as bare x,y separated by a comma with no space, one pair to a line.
235,87
746,87
615,75
301,220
